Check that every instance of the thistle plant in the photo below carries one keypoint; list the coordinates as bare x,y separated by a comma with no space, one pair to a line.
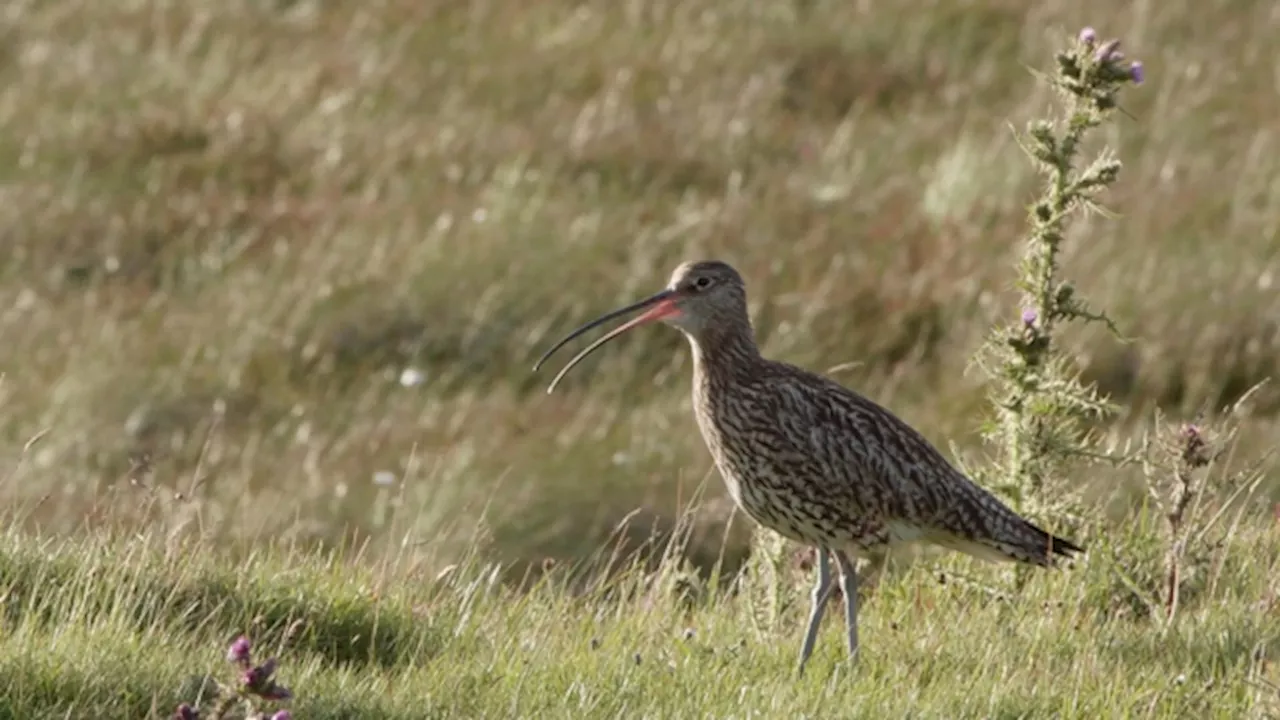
1042,411
254,690
1192,451
1201,501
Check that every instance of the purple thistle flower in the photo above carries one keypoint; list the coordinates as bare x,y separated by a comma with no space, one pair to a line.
282,715
1088,36
1029,317
239,651
1195,450
186,712
1135,72
258,678
1109,52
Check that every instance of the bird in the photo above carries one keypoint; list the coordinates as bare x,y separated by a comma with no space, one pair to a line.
813,460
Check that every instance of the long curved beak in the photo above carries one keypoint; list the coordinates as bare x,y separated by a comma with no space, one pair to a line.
657,307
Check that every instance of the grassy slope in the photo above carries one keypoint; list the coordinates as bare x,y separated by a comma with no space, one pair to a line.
234,224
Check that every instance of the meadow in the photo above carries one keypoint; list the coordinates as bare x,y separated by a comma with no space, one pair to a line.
273,274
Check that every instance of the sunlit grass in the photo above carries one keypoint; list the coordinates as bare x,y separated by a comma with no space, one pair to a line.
233,228
123,629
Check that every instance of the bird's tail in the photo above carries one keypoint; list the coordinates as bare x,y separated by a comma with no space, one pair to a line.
1024,542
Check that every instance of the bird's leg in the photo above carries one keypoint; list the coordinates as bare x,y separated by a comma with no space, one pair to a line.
822,590
849,587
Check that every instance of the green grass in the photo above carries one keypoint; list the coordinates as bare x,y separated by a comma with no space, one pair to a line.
234,226
229,227
122,628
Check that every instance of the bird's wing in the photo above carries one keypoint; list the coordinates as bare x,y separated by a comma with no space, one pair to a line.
896,472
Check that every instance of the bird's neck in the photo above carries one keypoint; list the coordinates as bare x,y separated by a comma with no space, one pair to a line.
724,355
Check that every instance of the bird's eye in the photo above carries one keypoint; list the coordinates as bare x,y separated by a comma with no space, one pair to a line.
702,283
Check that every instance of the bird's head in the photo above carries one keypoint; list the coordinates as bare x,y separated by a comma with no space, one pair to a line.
703,299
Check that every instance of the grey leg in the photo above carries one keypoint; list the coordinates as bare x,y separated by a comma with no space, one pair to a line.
822,590
849,587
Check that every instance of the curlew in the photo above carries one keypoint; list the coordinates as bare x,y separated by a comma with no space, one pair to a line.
812,460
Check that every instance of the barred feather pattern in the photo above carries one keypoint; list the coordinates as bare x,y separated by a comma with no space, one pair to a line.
825,466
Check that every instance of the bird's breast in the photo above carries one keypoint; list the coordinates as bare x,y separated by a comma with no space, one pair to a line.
719,443
756,484
776,479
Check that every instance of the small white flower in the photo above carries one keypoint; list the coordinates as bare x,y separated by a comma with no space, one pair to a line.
410,377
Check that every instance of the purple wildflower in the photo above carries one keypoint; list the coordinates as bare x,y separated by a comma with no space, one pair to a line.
1195,450
282,715
186,712
1029,317
259,678
239,651
1088,36
1135,72
1109,52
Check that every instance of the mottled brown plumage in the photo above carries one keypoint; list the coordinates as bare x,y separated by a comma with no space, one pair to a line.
815,461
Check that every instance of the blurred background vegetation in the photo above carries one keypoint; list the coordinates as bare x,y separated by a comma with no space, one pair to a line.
257,254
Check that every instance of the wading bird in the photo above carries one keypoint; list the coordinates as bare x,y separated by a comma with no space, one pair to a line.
813,460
